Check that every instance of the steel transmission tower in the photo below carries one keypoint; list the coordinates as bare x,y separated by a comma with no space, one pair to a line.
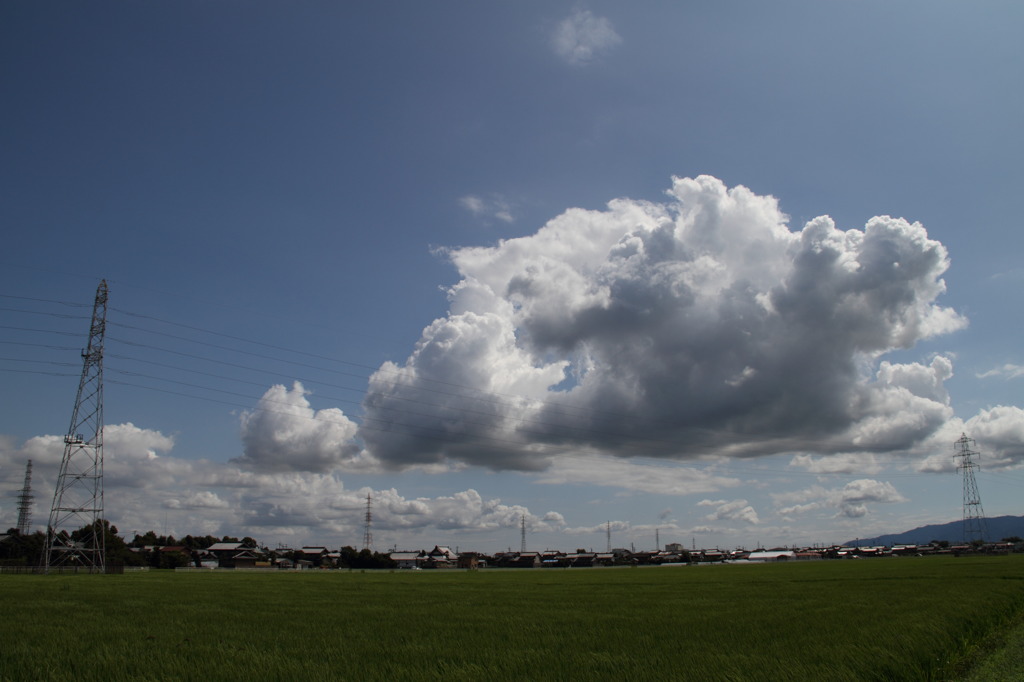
974,515
78,497
522,534
367,534
25,503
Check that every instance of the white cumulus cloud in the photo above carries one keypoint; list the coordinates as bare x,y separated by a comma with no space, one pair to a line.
283,433
169,494
730,510
850,501
699,325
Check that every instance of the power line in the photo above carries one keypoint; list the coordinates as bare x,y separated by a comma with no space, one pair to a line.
64,316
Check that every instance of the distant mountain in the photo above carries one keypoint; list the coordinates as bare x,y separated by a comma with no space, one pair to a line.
999,527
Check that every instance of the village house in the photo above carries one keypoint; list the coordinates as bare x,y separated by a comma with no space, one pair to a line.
409,560
235,555
317,557
441,557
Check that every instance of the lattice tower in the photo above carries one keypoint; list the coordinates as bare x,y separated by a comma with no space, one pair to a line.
78,497
367,533
608,535
25,503
522,534
974,515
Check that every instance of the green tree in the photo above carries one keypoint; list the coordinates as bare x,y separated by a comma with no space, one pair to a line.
172,559
22,550
117,552
351,558
148,539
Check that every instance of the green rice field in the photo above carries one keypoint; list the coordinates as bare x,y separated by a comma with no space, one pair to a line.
875,619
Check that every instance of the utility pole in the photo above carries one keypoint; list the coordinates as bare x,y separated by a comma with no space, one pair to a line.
78,497
974,515
25,503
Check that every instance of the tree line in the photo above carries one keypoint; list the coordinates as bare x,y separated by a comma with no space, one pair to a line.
165,551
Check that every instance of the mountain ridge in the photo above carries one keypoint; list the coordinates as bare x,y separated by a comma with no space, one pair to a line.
998,527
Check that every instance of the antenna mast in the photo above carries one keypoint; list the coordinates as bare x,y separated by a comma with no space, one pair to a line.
608,535
25,503
367,535
78,497
974,515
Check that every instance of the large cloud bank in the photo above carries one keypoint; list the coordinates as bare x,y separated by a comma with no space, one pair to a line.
699,325
147,487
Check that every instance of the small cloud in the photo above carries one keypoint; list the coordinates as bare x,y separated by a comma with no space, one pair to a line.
838,464
581,37
473,204
494,207
201,500
742,377
1007,371
735,510
1016,274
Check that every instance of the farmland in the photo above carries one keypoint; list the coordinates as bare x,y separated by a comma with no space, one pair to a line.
892,619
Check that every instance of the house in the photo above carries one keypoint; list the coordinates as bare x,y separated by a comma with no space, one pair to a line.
772,555
469,561
316,556
234,555
245,559
554,559
443,553
582,559
527,560
517,559
440,557
408,560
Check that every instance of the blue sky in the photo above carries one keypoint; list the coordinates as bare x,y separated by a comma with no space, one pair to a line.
556,260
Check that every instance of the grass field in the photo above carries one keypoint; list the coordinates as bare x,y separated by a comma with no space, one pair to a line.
886,619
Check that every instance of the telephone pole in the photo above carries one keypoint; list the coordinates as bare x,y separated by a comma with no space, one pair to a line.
78,497
974,515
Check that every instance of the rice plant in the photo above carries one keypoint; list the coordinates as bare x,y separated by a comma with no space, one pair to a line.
884,619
